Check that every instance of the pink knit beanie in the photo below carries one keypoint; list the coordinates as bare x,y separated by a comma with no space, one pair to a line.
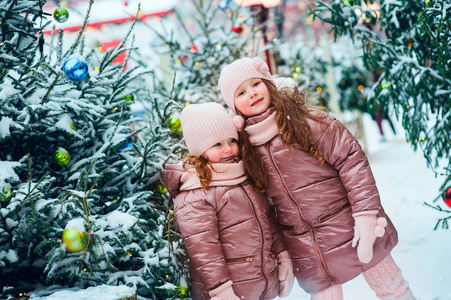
204,125
233,75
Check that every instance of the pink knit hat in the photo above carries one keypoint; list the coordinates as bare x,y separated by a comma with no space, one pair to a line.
233,75
204,125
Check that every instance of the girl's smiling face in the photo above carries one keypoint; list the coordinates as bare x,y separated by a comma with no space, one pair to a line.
252,97
225,151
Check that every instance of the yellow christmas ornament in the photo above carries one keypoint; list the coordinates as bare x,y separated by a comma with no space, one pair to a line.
61,157
73,239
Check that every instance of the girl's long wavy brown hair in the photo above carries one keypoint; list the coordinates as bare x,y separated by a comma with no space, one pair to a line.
202,166
294,130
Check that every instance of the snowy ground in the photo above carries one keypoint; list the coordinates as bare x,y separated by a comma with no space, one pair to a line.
405,183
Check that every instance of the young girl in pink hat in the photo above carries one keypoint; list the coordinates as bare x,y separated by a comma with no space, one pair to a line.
321,184
230,232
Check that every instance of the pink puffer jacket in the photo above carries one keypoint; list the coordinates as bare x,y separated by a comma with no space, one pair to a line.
315,201
230,233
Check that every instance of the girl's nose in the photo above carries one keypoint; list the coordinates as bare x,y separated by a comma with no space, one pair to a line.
252,93
227,148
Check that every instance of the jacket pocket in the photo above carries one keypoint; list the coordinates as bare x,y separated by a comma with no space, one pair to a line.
240,259
286,227
335,211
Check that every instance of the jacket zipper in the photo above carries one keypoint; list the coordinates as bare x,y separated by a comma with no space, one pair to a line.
335,211
263,240
231,260
300,216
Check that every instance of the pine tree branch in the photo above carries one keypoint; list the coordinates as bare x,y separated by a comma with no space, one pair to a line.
31,190
71,51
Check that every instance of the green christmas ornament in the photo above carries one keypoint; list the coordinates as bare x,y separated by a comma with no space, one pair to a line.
160,188
130,97
61,157
7,192
72,126
174,124
61,14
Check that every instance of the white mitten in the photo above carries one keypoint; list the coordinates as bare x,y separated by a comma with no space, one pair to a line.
224,292
367,228
286,275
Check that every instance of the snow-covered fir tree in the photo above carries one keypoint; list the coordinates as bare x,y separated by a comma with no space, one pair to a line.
81,201
407,45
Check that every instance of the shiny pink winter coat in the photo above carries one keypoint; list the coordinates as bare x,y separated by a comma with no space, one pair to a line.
315,201
230,233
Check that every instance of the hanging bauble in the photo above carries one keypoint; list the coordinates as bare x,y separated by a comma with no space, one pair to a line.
183,287
72,126
183,60
6,194
75,68
447,196
238,29
129,97
61,14
127,144
193,48
159,188
73,239
61,157
174,124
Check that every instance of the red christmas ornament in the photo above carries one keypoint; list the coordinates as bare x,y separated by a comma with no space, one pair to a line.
238,29
447,196
193,48
125,3
183,59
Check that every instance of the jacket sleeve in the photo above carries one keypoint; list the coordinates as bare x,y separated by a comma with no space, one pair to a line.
277,239
341,150
197,222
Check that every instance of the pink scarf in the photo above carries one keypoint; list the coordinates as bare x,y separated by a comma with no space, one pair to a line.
262,128
222,174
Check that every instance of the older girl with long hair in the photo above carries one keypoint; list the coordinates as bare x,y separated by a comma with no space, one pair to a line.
320,181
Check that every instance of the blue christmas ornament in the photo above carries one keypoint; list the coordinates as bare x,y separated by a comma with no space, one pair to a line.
75,68
127,144
224,4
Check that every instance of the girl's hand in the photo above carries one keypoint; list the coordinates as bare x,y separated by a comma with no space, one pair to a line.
286,275
367,228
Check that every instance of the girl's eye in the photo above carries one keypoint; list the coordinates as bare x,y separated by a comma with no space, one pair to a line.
233,141
257,83
240,93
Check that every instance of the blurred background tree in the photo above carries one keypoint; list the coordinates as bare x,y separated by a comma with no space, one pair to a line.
406,46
